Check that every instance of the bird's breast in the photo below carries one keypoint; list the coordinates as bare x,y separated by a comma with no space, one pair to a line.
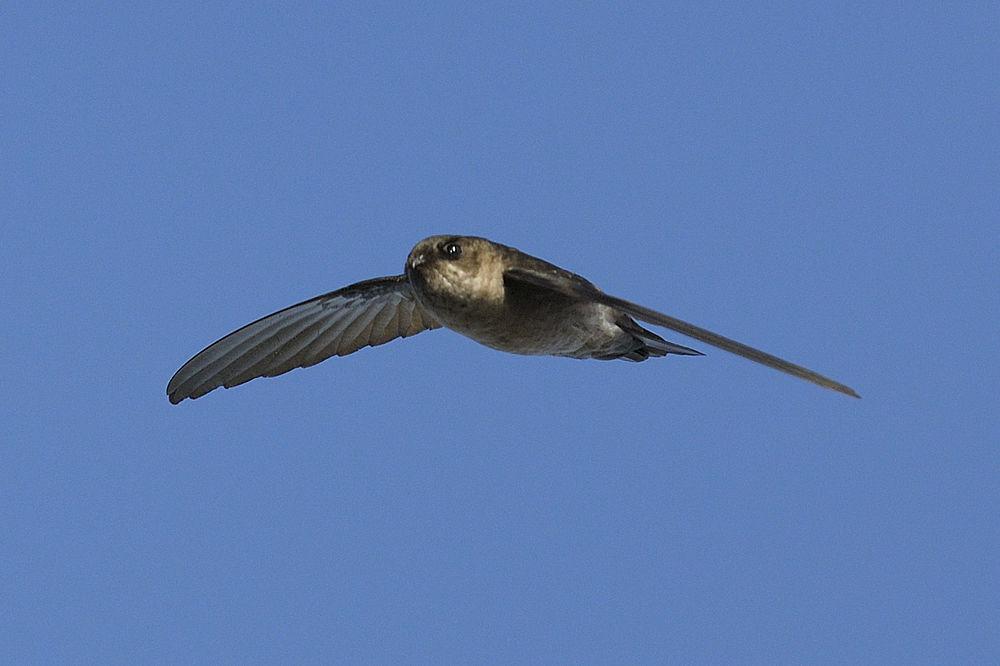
580,330
529,322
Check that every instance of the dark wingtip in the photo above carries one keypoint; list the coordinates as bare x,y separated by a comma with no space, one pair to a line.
839,388
174,394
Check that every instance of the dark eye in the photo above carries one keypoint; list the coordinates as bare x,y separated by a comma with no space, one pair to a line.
451,250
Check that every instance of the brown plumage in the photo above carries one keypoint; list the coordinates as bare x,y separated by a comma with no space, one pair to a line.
492,293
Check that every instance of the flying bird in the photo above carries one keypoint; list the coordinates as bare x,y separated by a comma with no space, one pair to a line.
492,293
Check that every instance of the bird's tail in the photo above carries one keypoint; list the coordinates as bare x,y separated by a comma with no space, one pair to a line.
650,344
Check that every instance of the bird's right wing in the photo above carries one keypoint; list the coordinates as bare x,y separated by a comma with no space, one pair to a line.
557,280
368,313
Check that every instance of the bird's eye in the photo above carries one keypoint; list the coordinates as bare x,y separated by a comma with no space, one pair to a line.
451,250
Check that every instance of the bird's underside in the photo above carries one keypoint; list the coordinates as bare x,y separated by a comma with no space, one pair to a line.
539,322
492,293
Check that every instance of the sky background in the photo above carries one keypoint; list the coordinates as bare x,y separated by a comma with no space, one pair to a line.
818,181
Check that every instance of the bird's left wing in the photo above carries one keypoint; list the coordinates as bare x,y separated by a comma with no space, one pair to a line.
557,280
368,313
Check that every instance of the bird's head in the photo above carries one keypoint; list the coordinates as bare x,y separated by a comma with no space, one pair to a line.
456,269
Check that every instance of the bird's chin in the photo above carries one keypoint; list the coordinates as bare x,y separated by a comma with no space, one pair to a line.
425,280
416,275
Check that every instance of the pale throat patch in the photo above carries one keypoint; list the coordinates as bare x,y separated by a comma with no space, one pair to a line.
484,284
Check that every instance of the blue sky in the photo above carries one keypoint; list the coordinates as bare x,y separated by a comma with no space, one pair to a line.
818,181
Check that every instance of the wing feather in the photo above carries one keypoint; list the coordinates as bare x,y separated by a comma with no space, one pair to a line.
341,322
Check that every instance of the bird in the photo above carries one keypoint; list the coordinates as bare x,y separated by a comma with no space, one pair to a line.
492,293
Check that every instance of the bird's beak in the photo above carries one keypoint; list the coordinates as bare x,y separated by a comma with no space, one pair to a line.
417,259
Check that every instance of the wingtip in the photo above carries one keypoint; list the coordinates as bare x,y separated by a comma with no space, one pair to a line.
846,390
174,394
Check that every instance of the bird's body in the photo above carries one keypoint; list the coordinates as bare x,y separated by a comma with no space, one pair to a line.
491,293
576,330
470,296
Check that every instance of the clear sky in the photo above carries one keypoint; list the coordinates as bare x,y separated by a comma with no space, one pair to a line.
818,181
